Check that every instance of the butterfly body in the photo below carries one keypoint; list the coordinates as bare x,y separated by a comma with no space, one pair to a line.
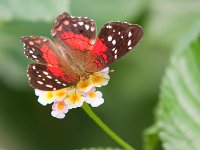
77,52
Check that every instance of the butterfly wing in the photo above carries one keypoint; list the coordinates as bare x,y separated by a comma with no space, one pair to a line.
48,78
52,69
115,40
40,49
74,35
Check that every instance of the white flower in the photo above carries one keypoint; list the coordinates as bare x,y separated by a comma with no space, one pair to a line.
74,96
84,85
60,94
94,98
45,97
100,78
59,109
105,70
74,99
38,92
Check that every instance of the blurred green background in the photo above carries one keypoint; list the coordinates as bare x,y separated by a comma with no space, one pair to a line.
132,93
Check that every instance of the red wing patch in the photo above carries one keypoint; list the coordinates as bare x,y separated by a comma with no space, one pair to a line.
49,78
77,41
115,40
43,51
99,47
76,36
40,49
77,32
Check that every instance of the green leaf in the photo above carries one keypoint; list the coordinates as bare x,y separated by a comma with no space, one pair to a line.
171,19
178,113
30,10
151,138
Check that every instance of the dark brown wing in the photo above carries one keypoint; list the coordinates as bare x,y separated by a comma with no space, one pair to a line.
114,41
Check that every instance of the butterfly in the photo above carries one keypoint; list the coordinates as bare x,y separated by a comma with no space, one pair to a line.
76,52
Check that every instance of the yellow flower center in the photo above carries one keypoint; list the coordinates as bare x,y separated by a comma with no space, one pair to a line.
60,93
74,97
60,105
97,79
49,95
84,84
92,94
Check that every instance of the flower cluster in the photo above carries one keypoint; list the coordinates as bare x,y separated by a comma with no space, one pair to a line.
73,97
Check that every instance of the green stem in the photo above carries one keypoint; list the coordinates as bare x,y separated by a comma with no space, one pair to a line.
105,128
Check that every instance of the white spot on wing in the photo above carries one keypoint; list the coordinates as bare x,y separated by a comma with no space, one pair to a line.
80,23
66,22
115,56
58,82
114,42
108,26
30,42
129,42
109,38
49,86
87,26
40,82
129,34
44,40
50,77
75,25
92,29
129,47
46,73
34,56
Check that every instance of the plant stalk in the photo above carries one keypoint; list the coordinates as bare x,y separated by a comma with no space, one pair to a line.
105,128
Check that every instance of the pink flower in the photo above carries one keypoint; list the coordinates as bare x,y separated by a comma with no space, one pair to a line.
59,109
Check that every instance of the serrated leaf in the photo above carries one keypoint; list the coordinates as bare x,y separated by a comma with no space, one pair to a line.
178,113
30,10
